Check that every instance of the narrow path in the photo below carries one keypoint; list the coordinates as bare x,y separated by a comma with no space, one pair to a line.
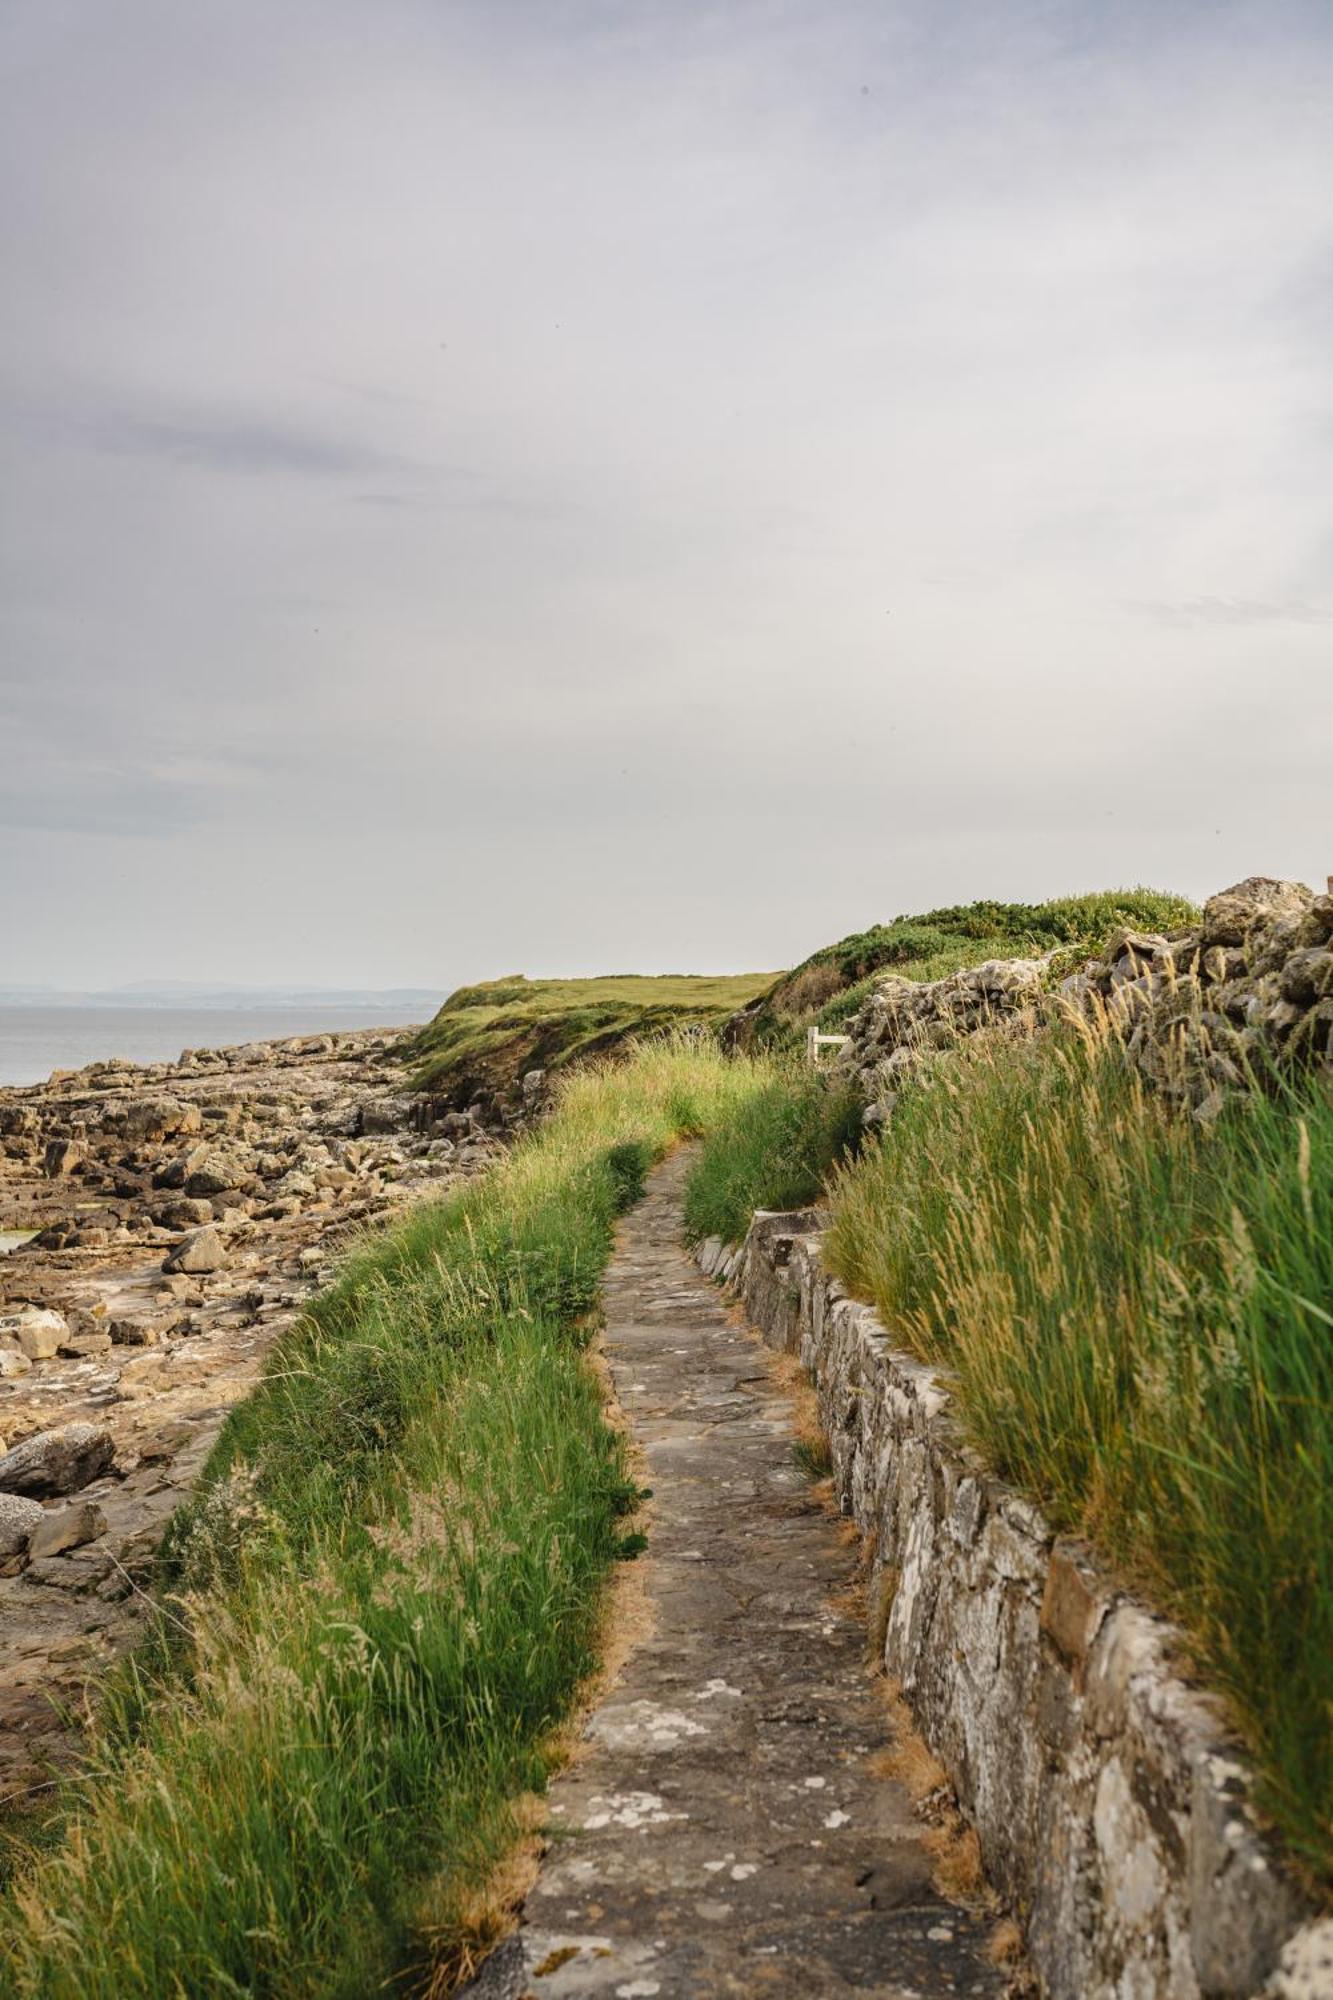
725,1832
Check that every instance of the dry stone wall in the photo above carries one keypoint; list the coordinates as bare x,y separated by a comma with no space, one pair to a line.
1203,1011
1111,1806
906,1021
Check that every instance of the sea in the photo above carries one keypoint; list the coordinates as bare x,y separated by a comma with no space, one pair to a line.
35,1040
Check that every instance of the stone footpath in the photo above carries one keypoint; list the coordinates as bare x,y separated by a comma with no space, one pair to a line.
184,1212
725,1831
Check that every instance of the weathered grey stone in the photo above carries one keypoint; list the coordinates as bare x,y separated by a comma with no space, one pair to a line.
199,1252
1308,975
62,1156
155,1118
1231,915
216,1173
57,1462
1242,1909
67,1528
83,1346
35,1330
388,1114
138,1332
1305,1970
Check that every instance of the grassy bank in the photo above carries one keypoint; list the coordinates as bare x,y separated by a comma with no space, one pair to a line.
484,1037
1138,1315
776,1150
383,1602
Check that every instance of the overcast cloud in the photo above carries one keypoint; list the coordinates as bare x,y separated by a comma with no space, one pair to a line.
570,485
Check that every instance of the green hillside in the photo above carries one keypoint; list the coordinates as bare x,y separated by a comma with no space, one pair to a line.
485,1037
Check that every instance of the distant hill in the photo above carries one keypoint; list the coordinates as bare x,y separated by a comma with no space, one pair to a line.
190,993
485,1037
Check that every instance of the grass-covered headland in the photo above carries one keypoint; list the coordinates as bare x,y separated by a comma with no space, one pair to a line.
380,1605
1136,1313
484,1037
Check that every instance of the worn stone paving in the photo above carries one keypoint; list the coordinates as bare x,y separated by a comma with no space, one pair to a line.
725,1830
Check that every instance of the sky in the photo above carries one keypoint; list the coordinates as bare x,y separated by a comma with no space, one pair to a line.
576,485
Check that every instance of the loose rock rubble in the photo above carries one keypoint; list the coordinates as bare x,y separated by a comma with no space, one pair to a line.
180,1214
1203,1011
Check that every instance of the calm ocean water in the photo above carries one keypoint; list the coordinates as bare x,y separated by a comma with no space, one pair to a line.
36,1040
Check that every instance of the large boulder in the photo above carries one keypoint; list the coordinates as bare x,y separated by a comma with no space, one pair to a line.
217,1173
35,1331
386,1114
183,1212
57,1462
1230,915
67,1528
199,1252
152,1118
175,1173
62,1156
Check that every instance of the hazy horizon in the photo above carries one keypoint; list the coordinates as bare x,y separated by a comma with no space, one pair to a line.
512,487
190,991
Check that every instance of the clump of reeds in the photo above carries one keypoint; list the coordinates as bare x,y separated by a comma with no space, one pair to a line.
1137,1313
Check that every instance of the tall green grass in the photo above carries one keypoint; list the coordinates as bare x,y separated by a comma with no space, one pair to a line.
1138,1315
775,1151
379,1606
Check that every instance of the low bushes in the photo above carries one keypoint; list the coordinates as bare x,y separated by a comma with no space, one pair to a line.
1138,1316
381,1601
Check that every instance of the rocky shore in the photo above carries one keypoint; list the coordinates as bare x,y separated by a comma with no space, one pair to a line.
177,1215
